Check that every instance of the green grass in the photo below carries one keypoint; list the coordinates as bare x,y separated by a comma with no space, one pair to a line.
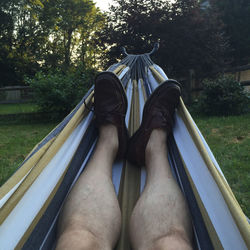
17,108
229,140
16,141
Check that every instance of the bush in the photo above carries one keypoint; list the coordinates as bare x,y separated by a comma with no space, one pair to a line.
59,92
223,96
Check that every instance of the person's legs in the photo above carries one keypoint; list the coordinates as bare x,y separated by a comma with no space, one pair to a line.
91,218
160,219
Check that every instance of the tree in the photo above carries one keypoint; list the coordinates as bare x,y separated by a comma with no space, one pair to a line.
17,42
45,35
190,38
70,25
6,65
236,17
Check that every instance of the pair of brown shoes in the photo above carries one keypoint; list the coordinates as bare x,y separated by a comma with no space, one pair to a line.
111,107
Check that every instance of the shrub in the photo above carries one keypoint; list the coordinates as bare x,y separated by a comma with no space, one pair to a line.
223,96
58,92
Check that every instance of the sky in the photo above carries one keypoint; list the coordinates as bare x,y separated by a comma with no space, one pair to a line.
103,4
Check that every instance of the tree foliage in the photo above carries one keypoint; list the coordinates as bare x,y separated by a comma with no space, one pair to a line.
236,16
59,92
46,34
70,24
16,41
50,34
190,38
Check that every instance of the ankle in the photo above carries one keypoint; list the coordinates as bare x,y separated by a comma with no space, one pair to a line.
109,135
157,141
156,161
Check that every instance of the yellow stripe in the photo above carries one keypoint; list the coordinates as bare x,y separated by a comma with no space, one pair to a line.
129,191
37,169
158,77
143,91
119,69
136,118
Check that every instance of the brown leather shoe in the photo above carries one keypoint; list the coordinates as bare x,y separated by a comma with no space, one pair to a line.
110,106
158,113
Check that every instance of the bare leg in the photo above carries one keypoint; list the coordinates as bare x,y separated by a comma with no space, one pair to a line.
160,219
91,218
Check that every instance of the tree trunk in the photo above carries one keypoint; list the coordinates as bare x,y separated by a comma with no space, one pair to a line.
67,48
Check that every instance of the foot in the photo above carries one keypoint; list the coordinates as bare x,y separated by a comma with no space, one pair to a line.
110,106
158,113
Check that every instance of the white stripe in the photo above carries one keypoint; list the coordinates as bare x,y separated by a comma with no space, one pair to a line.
123,73
8,195
153,82
141,98
116,175
129,97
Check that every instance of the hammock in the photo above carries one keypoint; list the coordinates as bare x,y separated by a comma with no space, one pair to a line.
31,200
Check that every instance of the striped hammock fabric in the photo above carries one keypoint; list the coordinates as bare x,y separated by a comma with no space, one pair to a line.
31,200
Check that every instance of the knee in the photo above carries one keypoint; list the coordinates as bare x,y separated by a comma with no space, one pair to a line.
174,241
78,239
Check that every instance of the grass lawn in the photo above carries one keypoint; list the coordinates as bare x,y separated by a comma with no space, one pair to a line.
16,141
229,140
17,108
